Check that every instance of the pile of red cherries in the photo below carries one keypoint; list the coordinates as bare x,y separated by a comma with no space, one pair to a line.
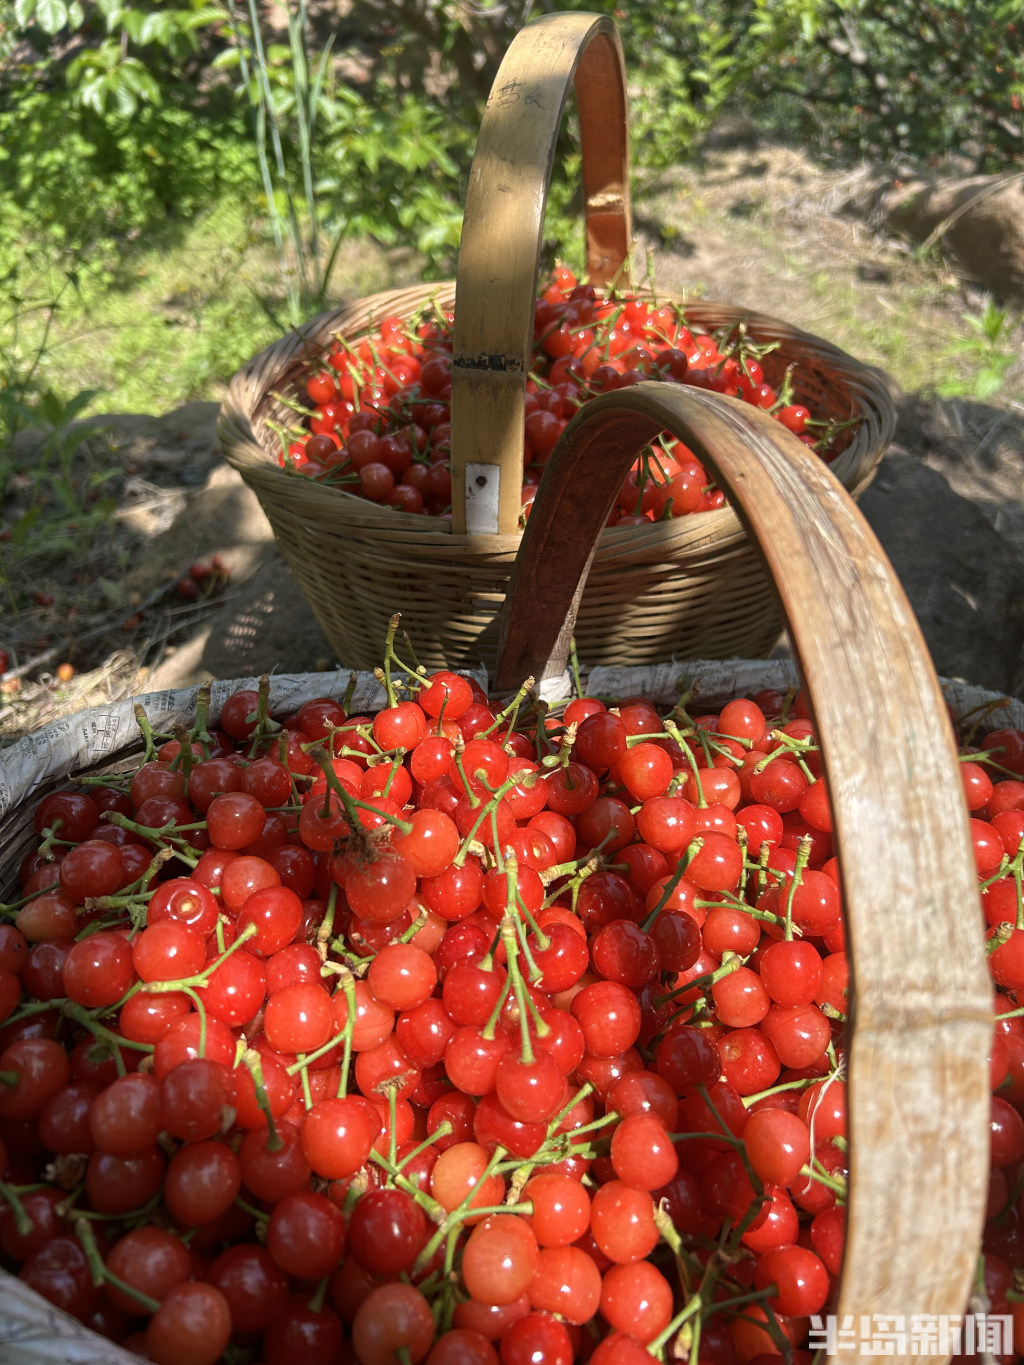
380,421
457,1033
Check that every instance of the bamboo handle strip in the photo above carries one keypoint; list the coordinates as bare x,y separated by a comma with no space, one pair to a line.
503,227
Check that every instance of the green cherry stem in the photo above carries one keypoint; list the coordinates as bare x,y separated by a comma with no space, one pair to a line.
326,927
484,810
254,1065
754,1296
348,985
681,1318
100,1274
489,1029
691,758
510,712
200,734
22,1219
693,848
12,907
383,675
183,760
159,835
146,730
452,1220
200,979
316,1303
266,728
803,854
442,1130
117,1041
261,1215
802,1084
352,803
838,1187
436,1212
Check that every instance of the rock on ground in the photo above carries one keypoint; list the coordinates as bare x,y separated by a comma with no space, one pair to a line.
978,220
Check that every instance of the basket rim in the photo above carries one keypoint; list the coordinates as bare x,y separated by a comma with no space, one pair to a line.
109,732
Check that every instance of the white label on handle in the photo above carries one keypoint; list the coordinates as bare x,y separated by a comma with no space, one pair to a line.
483,482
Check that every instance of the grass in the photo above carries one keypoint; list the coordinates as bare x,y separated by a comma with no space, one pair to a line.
174,316
755,230
913,326
180,312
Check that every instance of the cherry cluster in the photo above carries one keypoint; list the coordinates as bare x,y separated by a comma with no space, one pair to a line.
380,424
457,1034
203,579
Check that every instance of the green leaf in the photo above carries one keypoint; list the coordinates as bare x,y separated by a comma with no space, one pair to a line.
126,101
158,28
14,408
51,15
113,592
91,95
23,12
132,22
987,384
78,404
24,524
51,409
208,14
994,322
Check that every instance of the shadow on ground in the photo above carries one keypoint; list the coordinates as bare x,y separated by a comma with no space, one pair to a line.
947,504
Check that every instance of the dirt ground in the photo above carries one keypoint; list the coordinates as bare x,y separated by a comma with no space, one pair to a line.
755,226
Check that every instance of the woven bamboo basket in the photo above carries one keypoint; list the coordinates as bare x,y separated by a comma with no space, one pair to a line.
921,1008
692,586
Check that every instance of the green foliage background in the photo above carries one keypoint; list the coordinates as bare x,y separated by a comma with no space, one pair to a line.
122,124
113,116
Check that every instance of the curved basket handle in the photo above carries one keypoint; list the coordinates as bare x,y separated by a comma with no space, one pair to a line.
922,999
499,257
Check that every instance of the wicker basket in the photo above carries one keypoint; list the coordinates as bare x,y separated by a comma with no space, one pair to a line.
684,588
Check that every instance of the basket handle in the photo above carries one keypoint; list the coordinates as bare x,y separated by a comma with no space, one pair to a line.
499,257
922,999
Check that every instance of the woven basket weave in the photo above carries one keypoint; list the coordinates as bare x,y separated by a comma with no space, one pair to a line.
684,588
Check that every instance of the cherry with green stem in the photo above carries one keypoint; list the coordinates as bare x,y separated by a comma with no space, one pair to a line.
509,712
253,1063
12,907
347,984
448,1229
693,848
353,804
101,1274
802,858
88,1019
527,1009
12,1197
167,834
